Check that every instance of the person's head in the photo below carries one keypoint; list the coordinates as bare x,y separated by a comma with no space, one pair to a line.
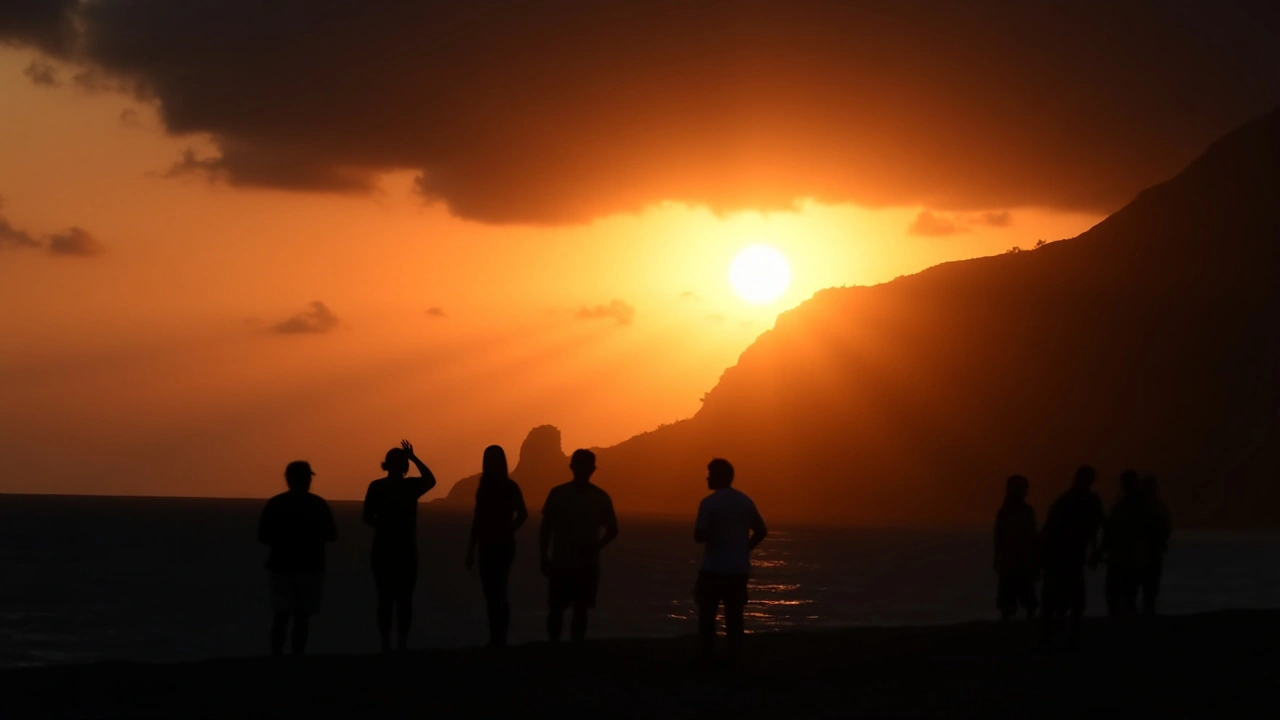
1016,487
1129,483
396,462
719,474
297,475
494,466
583,464
1085,475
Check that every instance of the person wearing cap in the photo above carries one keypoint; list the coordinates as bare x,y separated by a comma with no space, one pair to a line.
295,525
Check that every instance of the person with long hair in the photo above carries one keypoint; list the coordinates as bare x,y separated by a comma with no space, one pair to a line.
500,511
391,509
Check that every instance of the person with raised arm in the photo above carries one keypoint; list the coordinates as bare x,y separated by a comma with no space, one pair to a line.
391,509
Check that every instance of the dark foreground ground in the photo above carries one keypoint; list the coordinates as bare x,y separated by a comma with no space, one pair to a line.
1211,665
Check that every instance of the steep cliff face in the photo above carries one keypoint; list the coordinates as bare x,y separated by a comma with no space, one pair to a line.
540,466
1151,341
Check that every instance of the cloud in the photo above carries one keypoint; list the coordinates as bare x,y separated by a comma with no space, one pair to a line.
436,312
931,225
318,319
12,237
1002,219
42,73
688,295
523,113
129,117
617,310
75,242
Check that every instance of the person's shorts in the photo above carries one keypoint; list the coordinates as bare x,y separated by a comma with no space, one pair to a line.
1064,590
299,593
573,587
715,588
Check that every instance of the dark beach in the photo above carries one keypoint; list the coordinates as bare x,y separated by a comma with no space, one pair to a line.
1214,664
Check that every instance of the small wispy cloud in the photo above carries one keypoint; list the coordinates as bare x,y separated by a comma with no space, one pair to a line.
616,310
75,242
42,73
436,312
318,318
930,225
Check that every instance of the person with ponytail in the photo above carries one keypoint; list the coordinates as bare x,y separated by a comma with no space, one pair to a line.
500,511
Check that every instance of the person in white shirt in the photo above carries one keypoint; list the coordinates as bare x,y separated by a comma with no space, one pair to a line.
730,527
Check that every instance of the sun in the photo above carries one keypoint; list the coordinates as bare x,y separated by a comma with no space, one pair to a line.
759,274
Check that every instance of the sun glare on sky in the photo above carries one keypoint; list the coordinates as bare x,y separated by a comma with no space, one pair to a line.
759,274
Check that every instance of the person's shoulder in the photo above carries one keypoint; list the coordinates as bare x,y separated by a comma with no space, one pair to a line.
600,492
316,500
557,491
276,501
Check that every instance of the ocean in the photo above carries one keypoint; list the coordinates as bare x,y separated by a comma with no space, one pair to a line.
86,579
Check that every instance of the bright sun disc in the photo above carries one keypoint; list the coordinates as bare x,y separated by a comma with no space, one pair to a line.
759,274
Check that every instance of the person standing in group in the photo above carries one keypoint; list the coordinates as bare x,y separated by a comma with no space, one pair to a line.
729,527
1069,537
391,509
500,511
1160,529
1125,547
573,518
1015,551
295,525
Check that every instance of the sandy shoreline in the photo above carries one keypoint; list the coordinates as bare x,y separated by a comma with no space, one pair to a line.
1213,664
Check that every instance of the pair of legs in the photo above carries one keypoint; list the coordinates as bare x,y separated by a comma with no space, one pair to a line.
395,575
711,591
571,588
294,599
1122,588
1017,588
1063,596
280,630
495,570
1151,586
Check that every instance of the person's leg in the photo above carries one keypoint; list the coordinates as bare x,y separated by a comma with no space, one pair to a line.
1076,598
735,602
555,606
1112,591
502,611
279,629
493,575
586,583
708,603
407,581
301,629
1151,586
1028,595
386,602
1006,598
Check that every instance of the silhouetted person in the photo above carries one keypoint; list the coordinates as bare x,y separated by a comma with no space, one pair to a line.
1160,530
500,511
391,508
570,540
1015,543
1125,547
1069,537
730,527
295,525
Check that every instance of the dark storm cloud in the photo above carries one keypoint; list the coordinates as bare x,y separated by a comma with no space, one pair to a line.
616,310
560,112
318,318
931,225
12,237
76,242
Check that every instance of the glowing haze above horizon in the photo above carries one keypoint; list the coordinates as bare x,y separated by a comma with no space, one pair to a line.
261,272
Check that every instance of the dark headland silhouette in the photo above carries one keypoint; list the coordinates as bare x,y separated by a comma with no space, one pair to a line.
1150,341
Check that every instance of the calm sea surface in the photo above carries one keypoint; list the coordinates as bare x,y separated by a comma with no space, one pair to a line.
84,579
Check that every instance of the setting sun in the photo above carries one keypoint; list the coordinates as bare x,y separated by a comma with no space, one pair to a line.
760,274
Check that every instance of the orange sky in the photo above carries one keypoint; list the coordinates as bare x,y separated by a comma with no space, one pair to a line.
152,367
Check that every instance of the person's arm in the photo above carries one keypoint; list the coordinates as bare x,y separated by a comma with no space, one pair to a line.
370,513
610,521
702,526
758,531
428,480
544,537
330,527
265,525
522,512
